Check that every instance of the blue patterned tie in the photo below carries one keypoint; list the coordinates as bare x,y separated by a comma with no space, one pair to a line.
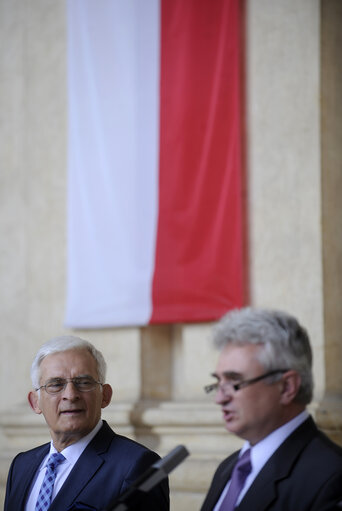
45,492
240,473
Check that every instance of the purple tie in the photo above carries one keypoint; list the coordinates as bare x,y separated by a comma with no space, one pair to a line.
45,492
240,473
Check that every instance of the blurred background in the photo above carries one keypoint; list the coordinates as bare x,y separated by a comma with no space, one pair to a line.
290,128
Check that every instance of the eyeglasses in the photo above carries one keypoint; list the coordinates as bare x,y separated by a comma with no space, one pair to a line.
229,385
82,383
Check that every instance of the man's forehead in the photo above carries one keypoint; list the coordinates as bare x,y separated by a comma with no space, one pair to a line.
68,358
237,359
59,367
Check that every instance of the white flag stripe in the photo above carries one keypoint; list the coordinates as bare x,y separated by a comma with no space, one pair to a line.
113,86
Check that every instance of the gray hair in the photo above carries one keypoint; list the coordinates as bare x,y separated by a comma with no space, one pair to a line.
284,342
65,343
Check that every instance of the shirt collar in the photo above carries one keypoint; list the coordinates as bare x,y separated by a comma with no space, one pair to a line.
74,451
264,449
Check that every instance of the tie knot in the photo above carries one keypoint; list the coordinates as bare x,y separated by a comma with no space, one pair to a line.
244,465
55,459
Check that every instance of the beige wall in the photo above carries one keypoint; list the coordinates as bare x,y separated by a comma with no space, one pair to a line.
284,162
294,213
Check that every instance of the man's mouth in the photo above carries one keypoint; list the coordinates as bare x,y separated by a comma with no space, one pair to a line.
71,412
227,415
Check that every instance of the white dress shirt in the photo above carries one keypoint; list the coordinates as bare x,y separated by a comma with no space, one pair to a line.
262,451
71,454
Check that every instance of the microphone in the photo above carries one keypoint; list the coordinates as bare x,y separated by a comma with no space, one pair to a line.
149,479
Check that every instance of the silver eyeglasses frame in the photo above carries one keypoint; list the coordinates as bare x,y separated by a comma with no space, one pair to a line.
241,384
81,383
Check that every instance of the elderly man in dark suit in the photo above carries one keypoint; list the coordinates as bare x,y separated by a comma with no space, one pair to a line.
86,466
263,382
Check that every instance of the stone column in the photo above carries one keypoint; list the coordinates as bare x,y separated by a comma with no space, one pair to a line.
329,412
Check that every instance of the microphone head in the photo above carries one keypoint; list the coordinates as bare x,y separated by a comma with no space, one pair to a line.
171,460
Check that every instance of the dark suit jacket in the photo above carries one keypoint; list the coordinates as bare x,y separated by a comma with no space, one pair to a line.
304,474
105,469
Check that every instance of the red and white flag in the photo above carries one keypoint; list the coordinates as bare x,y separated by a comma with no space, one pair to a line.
154,170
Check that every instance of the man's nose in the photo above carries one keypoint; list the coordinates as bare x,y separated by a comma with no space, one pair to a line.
223,394
70,391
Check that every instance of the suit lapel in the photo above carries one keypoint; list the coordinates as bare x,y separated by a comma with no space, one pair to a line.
86,467
20,493
219,482
264,489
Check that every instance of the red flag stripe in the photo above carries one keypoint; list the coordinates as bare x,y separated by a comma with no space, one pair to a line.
198,264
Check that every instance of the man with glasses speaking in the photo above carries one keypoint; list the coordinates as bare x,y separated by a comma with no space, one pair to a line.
263,382
86,466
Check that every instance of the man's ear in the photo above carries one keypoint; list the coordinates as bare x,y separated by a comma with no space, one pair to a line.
33,401
107,393
291,384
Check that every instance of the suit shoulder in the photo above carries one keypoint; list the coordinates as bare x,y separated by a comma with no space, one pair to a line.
107,441
327,447
310,443
129,446
24,456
